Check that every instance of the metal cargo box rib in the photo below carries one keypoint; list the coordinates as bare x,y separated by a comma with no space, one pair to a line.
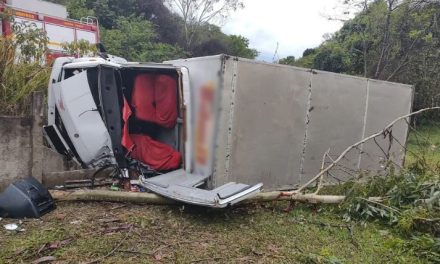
275,122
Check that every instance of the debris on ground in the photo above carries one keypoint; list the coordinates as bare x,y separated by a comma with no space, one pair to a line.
11,227
25,198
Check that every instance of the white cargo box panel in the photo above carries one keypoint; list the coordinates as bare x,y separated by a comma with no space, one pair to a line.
273,123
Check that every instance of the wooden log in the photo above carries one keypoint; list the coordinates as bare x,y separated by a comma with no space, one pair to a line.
109,196
317,199
151,198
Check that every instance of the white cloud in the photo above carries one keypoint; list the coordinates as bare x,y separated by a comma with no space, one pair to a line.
294,24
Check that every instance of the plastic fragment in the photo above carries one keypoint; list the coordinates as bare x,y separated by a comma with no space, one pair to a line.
11,227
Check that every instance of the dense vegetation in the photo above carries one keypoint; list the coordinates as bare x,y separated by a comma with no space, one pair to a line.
21,70
149,31
388,40
409,198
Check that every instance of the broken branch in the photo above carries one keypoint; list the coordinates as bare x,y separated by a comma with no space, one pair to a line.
319,184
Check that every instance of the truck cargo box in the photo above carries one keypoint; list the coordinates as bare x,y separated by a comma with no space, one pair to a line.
272,123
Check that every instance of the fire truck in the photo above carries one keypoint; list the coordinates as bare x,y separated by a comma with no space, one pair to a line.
52,18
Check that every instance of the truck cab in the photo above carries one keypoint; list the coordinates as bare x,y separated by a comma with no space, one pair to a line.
138,118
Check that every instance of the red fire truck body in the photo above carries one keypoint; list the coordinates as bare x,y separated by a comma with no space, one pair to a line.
52,18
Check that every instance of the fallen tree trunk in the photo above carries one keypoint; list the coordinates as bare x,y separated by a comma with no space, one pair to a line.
109,196
151,198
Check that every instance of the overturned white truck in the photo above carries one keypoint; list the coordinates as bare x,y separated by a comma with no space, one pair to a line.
213,130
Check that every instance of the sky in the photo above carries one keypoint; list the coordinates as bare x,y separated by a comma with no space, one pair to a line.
294,24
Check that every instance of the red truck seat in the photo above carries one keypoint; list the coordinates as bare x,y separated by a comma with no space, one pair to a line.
154,99
157,155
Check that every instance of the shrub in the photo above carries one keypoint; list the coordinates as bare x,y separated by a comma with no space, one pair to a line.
21,67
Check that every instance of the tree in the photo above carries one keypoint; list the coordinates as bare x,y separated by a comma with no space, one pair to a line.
206,39
308,52
389,40
168,24
129,38
196,13
135,39
385,39
211,46
332,58
289,60
79,48
159,52
212,41
77,9
29,42
239,46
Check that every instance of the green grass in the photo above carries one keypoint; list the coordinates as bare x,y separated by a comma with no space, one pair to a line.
424,144
262,234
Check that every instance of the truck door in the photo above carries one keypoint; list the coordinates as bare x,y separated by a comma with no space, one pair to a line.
185,187
80,116
110,100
